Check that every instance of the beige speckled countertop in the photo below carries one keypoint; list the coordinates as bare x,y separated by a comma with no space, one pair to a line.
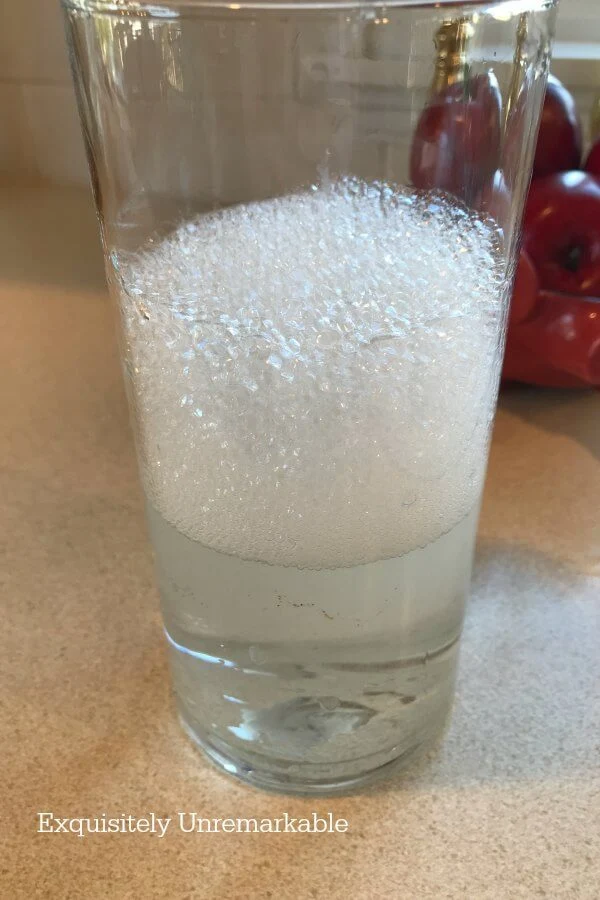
507,807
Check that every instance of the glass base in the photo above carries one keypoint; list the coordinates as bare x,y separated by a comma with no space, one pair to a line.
277,776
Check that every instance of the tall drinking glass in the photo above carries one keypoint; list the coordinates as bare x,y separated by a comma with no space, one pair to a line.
310,213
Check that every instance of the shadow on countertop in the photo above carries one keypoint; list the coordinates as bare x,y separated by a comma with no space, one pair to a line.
572,413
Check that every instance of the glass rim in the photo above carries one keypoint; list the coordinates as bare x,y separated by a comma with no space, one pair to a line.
172,9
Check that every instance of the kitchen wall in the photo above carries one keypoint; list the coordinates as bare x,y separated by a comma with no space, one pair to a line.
39,128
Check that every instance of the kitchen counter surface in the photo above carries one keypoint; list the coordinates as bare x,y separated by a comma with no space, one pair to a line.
508,806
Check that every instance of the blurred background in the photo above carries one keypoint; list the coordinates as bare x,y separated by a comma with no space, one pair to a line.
39,130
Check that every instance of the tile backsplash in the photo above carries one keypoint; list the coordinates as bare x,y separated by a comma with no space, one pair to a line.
39,127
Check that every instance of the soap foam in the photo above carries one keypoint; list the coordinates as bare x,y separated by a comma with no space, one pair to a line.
314,375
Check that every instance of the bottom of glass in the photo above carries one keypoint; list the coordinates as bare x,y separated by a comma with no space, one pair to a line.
271,775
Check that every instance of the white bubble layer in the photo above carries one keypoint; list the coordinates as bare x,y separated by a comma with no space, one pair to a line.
314,375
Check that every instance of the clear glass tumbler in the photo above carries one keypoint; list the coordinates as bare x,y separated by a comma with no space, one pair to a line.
310,213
